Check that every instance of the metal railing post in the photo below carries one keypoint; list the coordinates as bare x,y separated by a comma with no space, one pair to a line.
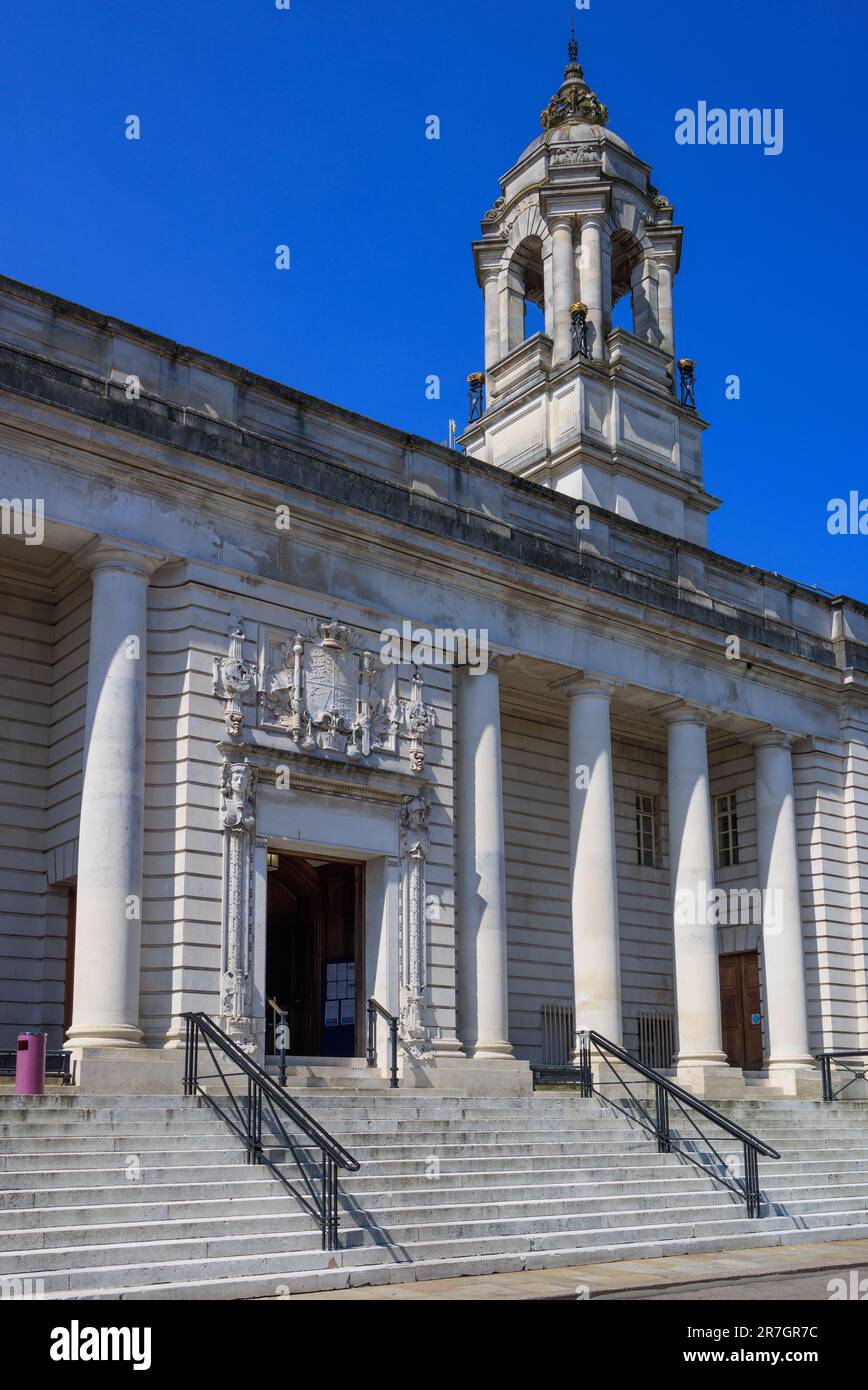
586,1076
250,1120
188,1058
826,1073
393,1030
329,1190
283,1030
664,1139
372,1035
375,1008
751,1180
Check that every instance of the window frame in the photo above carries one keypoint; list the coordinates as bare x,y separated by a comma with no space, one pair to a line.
726,840
647,857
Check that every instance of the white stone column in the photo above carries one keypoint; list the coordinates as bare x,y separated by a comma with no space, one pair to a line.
665,311
483,1021
777,851
493,354
512,311
592,279
697,980
563,286
593,863
108,916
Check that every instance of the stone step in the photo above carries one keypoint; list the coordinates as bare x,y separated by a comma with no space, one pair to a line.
340,1273
363,1147
220,1264
359,1189
593,1211
275,1204
355,1204
232,1151
59,1134
237,1183
447,1182
372,1195
86,1145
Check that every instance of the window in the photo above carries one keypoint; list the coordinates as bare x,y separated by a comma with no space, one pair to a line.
726,829
646,830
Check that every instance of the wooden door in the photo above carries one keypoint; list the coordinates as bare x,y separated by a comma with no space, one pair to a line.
740,1015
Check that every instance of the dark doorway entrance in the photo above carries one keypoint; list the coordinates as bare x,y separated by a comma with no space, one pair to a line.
740,1010
314,965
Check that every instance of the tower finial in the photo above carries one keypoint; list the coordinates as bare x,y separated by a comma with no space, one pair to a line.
574,101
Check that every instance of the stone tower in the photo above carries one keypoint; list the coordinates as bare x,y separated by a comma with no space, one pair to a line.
594,412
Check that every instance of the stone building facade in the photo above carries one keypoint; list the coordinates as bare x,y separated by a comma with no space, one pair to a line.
302,709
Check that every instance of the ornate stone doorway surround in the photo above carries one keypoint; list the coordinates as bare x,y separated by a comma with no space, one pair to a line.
334,811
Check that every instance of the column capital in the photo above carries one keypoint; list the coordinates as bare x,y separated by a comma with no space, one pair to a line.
773,738
686,713
490,266
499,662
113,553
596,220
562,222
583,683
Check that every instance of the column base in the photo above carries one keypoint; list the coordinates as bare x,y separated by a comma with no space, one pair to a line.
491,1051
135,1071
468,1076
447,1047
710,1080
117,1035
799,1079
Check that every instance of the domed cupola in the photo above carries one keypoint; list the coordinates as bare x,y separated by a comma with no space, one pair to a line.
592,410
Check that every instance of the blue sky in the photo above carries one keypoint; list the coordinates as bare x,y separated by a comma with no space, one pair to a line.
306,127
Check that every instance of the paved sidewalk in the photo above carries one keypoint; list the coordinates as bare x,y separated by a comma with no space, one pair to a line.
597,1280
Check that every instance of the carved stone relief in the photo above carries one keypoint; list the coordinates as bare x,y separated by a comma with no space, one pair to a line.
415,815
325,690
233,678
237,789
576,154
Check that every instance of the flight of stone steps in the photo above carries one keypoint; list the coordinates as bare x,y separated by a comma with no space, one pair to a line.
149,1197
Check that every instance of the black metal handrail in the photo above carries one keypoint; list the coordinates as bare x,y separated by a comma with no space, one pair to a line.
243,1115
666,1091
826,1059
375,1008
56,1064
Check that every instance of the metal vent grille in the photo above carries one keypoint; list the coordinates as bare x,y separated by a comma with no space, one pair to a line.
656,1033
558,1034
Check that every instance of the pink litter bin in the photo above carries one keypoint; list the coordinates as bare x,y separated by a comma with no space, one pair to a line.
30,1065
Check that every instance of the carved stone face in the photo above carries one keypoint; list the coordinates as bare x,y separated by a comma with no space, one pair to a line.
239,780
